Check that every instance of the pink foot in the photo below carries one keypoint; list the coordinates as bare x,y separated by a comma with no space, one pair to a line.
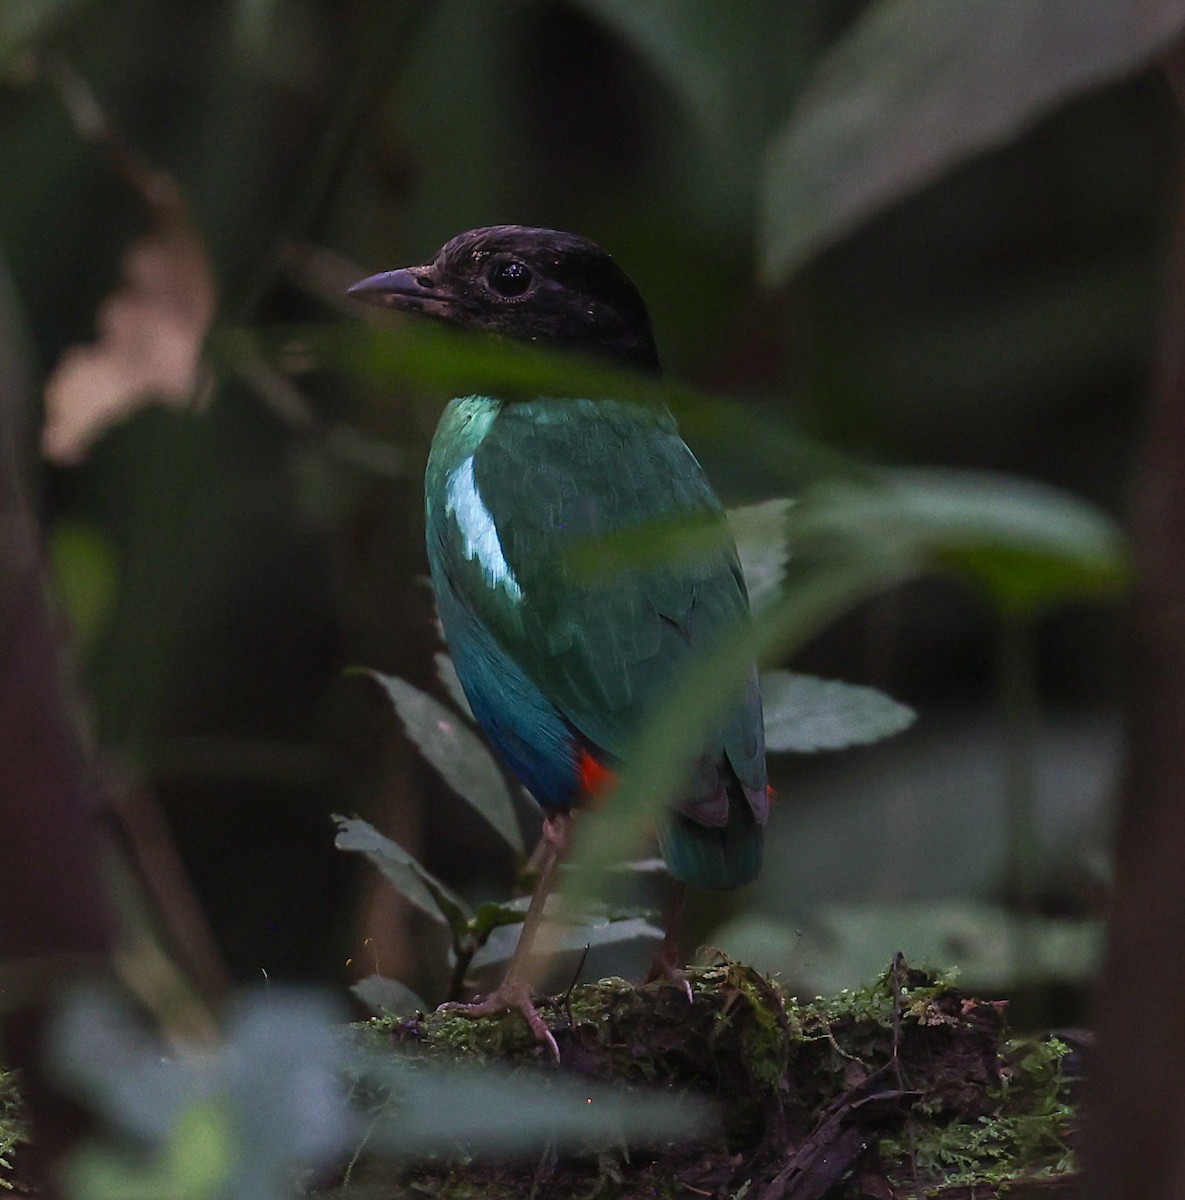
663,969
510,996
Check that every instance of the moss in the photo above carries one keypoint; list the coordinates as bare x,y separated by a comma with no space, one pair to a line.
945,1097
13,1130
1024,1136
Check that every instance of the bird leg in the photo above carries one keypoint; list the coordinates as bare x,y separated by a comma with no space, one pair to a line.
665,964
514,992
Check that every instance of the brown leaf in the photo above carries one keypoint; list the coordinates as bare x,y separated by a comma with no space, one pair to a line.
150,332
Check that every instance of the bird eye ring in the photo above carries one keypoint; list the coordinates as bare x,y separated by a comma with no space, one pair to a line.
510,279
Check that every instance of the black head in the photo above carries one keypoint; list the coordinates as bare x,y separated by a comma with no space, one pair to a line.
535,285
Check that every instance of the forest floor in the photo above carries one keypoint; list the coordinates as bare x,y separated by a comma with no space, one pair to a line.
906,1088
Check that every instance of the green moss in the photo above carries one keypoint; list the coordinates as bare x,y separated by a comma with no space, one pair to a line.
973,1108
13,1130
1023,1137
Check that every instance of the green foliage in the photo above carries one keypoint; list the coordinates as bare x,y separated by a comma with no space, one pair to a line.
25,23
463,762
841,941
87,578
407,876
479,935
763,545
918,85
383,995
804,714
1028,545
239,1122
272,1102
1025,1136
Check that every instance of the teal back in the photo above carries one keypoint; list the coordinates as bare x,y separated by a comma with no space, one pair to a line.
558,661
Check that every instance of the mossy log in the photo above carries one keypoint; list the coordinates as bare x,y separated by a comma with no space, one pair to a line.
907,1088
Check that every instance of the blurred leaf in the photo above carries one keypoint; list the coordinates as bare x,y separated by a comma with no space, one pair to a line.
152,328
918,85
682,45
243,1120
491,915
1030,545
680,538
86,575
556,938
249,1117
447,674
494,1111
458,754
763,544
843,942
24,24
406,875
804,714
851,537
656,764
451,362
194,1163
383,995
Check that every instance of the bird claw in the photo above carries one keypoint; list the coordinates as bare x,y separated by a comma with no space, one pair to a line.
662,970
509,996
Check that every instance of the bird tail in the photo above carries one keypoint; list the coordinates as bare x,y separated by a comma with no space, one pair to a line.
708,856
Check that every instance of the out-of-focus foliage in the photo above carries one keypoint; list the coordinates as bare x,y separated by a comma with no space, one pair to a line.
918,85
290,1093
804,714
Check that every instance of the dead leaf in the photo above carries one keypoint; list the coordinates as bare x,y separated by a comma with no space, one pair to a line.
150,335
151,329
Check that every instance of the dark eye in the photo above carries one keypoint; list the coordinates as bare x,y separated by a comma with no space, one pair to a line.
510,279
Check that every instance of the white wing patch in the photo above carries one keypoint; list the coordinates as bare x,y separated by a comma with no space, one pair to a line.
477,527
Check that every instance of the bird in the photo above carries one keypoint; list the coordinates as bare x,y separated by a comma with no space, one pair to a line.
560,669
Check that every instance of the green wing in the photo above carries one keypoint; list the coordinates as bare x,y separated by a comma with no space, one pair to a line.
554,473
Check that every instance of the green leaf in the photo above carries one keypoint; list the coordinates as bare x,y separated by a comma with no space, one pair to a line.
994,949
195,1163
684,537
683,47
917,86
451,362
26,24
601,932
851,538
458,754
763,543
86,572
804,714
383,995
406,875
491,915
1028,544
657,762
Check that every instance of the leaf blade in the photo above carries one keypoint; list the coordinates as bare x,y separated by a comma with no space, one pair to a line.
414,882
805,714
763,545
917,86
459,756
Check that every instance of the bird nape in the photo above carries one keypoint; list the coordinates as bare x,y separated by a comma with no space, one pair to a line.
559,668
